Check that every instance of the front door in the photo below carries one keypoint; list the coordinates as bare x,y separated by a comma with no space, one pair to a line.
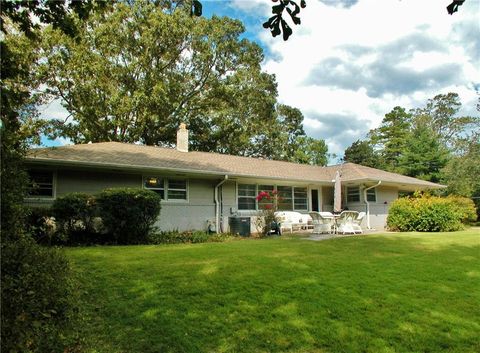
314,195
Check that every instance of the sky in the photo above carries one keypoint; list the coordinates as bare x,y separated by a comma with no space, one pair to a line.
352,61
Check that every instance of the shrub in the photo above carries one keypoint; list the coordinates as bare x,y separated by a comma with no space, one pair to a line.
74,214
425,214
267,221
402,216
176,237
128,214
37,297
41,225
465,206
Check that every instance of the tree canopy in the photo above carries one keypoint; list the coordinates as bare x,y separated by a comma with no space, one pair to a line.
432,143
134,73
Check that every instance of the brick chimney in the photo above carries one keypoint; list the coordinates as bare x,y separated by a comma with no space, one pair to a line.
182,138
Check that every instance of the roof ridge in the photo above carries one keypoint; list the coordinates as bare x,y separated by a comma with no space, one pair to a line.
190,152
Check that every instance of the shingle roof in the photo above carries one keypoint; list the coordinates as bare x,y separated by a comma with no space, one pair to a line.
140,157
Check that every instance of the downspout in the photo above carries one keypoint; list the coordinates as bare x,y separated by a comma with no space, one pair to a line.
368,204
217,206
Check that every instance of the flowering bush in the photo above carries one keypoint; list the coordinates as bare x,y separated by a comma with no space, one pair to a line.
268,204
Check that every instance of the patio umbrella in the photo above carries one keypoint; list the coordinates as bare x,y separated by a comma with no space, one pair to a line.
337,194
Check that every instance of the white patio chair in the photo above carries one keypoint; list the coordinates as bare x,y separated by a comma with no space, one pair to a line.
323,222
346,223
360,218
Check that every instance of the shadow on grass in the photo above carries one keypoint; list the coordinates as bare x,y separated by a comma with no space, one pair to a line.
364,294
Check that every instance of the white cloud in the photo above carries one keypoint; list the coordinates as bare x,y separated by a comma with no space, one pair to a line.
53,111
413,42
250,5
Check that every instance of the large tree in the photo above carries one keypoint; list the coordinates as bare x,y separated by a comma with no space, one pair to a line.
362,152
30,322
390,137
424,155
462,173
135,73
418,142
440,114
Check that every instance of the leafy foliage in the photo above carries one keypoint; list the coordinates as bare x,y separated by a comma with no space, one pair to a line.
266,220
424,155
17,81
440,114
391,137
432,143
138,71
74,215
41,225
362,152
466,207
425,213
462,171
453,7
193,237
59,13
277,23
37,297
128,214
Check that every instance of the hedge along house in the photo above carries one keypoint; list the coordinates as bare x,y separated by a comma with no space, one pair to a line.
199,189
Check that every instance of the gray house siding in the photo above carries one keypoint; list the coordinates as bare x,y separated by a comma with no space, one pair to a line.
379,209
93,182
182,215
192,214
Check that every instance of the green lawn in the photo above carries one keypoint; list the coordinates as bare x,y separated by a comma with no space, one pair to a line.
377,293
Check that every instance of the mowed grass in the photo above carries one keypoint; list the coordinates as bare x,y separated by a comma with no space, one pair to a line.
376,293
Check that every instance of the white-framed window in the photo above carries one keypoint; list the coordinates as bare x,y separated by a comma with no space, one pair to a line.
353,194
300,199
176,189
290,197
247,194
41,184
168,189
155,184
285,195
372,195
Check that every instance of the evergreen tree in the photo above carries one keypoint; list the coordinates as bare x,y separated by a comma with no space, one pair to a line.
362,152
424,155
391,137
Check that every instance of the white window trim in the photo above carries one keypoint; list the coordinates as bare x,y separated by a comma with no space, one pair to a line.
238,196
165,198
54,189
275,187
375,193
359,195
308,198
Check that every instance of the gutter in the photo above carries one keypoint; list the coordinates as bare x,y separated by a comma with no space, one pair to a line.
367,203
217,206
